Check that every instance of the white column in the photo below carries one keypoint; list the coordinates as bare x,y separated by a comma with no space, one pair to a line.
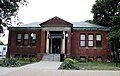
47,42
63,44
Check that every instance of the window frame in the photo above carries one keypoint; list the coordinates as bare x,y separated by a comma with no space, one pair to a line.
83,40
89,40
33,39
99,41
26,40
18,40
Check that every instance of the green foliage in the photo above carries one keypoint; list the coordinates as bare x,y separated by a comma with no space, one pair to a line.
113,36
34,59
104,9
10,62
69,64
27,59
9,8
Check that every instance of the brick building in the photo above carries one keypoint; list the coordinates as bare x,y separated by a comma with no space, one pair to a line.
59,37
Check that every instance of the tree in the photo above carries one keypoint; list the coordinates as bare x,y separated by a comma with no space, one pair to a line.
9,8
113,36
104,9
107,13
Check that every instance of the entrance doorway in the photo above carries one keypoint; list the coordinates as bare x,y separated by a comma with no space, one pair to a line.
56,46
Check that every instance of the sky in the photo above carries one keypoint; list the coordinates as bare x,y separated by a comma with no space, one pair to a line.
42,10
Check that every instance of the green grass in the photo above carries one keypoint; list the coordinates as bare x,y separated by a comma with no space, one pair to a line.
98,66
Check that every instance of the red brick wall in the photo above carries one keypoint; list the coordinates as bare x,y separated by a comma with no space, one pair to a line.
103,51
23,50
69,43
43,38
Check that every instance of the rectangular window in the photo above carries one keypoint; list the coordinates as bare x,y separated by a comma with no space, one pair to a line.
26,41
90,40
82,40
19,39
33,40
98,40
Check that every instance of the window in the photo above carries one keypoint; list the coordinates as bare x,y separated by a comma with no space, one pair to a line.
33,40
98,41
90,40
26,39
19,39
82,40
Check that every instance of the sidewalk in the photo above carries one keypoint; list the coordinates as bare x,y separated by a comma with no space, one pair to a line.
47,68
50,65
39,72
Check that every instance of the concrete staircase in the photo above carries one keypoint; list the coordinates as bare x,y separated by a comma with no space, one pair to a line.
51,57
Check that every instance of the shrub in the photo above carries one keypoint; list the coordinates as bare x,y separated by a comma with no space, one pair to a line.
27,59
90,59
70,64
10,62
34,59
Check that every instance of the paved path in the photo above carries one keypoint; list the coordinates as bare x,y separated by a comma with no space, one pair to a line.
46,68
49,65
5,70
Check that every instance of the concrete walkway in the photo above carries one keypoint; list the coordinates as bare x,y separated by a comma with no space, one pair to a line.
47,68
42,65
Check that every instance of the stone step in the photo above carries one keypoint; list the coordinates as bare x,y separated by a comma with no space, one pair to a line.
51,57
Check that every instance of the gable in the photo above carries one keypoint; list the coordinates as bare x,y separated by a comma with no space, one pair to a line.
56,22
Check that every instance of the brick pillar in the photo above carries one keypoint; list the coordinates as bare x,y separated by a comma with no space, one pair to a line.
94,40
69,43
42,50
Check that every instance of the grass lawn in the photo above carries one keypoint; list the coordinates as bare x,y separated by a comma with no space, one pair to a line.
98,66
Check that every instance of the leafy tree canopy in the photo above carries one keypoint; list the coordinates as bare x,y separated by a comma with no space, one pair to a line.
9,8
104,9
114,34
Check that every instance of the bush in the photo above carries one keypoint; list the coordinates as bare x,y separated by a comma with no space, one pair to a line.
34,59
10,62
70,64
91,60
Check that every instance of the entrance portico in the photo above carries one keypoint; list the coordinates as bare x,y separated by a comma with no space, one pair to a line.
57,36
56,42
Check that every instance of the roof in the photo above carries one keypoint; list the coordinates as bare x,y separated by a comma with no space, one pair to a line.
75,24
34,24
86,24
57,22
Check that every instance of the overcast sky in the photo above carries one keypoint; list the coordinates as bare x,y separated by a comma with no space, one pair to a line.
42,10
70,10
